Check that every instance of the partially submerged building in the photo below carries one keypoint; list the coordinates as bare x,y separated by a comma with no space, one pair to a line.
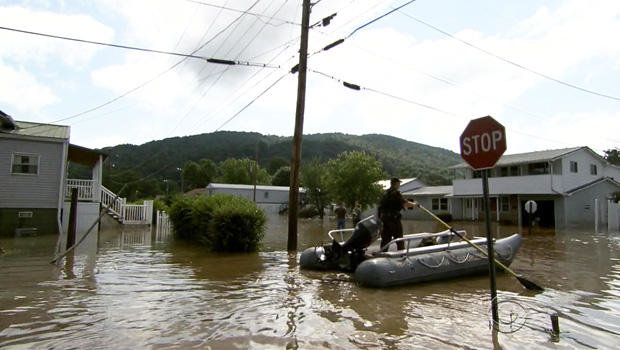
571,187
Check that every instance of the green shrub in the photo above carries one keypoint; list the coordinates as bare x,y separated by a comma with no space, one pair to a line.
308,211
222,223
445,216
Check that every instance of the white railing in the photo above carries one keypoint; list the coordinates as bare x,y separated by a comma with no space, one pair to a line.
115,207
86,189
138,214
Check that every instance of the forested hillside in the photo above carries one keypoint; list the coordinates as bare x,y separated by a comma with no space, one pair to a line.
163,159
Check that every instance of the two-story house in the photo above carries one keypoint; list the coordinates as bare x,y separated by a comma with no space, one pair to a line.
570,186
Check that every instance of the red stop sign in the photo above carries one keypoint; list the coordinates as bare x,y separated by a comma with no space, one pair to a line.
482,143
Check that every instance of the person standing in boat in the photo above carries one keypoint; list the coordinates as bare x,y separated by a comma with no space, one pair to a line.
389,209
341,213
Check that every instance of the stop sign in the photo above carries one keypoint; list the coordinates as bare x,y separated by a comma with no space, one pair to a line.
482,142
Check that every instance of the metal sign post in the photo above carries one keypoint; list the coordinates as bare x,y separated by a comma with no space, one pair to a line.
482,143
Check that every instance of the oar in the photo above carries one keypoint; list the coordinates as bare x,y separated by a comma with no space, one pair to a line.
525,282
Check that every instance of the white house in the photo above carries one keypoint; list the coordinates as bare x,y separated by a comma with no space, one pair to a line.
269,198
35,192
571,187
33,167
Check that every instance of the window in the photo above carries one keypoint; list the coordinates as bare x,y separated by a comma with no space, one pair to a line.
514,170
573,166
25,164
266,194
440,203
593,169
538,168
503,171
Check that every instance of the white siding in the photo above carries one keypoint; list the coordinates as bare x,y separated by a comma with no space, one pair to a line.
30,191
570,180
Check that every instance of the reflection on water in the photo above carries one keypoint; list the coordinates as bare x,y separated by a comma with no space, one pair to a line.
140,288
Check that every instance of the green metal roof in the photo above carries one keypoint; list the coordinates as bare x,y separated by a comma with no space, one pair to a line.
40,130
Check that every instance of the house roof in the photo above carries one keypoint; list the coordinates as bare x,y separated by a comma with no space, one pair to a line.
39,130
538,156
430,191
249,187
84,156
592,183
385,184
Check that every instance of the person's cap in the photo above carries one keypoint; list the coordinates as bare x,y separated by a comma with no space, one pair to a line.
394,179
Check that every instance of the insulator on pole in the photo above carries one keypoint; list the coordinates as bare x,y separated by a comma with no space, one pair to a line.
335,43
351,86
219,61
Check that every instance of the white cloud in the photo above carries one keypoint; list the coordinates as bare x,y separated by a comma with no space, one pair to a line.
22,91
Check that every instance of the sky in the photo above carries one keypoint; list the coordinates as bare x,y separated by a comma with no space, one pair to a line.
547,70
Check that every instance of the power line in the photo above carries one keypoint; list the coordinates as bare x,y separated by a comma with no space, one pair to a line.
512,62
359,87
210,60
340,41
257,15
251,102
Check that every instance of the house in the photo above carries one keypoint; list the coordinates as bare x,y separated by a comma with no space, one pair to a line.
405,184
570,186
35,193
269,198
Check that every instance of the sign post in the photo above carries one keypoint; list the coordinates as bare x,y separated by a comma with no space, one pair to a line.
530,208
482,144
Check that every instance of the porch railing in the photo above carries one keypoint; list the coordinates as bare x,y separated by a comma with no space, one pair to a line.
86,189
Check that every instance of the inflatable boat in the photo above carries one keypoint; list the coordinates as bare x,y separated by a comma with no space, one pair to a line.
426,257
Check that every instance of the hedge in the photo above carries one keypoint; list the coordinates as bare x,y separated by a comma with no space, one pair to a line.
222,223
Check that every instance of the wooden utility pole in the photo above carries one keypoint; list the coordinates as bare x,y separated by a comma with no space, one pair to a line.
293,198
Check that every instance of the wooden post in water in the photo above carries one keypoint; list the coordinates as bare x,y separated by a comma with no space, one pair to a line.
72,218
293,198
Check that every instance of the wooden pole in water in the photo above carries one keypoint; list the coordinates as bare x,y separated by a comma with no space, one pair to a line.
293,199
72,218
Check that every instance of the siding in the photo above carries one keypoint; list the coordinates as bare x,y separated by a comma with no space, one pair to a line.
25,191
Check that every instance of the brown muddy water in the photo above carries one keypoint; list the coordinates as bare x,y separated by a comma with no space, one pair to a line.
136,289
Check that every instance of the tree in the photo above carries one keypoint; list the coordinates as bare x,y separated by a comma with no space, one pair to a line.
241,171
276,163
282,177
208,172
613,156
191,175
353,176
312,178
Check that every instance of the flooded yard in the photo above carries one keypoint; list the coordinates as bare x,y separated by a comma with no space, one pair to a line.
134,288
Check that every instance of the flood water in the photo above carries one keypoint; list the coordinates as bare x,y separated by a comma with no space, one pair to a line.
134,289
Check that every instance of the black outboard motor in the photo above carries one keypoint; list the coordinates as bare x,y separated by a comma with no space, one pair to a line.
351,252
345,256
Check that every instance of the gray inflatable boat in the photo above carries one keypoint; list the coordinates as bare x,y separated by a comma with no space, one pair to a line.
386,267
434,262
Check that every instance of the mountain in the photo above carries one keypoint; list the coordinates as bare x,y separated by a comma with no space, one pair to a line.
399,157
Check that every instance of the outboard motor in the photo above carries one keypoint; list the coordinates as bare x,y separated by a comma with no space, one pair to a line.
345,256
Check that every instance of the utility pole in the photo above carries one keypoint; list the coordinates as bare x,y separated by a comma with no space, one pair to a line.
293,198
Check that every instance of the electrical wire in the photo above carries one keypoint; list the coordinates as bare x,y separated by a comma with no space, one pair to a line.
520,66
251,102
257,15
359,87
207,59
